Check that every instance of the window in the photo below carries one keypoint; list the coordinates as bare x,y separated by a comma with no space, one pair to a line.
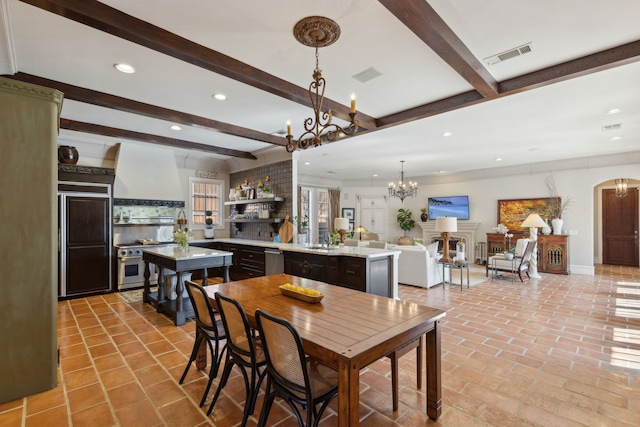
206,195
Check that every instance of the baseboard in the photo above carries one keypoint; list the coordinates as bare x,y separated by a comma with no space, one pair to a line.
584,270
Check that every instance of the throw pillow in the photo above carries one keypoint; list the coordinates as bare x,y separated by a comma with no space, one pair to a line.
433,249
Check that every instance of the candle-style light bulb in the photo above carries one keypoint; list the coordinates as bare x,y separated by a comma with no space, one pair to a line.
353,102
288,127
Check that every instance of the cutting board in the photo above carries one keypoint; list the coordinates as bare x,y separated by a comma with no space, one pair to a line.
286,231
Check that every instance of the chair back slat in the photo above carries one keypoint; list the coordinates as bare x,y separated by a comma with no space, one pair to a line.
237,327
201,306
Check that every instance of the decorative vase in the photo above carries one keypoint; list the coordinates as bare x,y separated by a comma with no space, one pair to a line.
67,154
405,241
546,230
557,225
232,194
424,217
508,256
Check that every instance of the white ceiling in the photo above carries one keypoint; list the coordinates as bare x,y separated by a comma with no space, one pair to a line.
553,122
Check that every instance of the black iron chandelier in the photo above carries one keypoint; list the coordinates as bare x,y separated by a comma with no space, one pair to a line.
317,32
403,189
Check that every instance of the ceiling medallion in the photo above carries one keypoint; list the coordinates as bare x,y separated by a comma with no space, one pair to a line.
317,32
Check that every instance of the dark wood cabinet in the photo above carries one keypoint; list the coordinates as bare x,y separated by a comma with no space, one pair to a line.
553,250
248,261
371,275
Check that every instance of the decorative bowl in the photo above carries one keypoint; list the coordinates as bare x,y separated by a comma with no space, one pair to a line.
300,296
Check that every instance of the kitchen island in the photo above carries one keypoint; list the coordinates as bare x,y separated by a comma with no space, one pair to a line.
172,258
361,268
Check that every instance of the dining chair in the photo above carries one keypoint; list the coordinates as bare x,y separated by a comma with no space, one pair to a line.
292,375
208,328
351,242
244,349
397,354
376,244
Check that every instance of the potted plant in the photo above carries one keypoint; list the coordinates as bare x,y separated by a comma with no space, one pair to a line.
208,228
406,223
557,207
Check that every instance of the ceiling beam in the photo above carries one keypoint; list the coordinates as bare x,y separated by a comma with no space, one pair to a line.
130,106
102,17
153,139
606,59
424,21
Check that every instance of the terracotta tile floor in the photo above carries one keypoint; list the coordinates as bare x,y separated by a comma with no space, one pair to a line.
558,351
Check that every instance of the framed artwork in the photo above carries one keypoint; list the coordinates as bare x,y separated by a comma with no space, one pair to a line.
514,211
349,213
351,227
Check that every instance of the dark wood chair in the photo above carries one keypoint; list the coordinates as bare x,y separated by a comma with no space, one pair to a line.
293,376
244,349
209,328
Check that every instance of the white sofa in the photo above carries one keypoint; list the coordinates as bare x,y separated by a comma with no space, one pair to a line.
417,267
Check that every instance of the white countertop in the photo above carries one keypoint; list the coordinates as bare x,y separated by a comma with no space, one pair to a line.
359,252
194,252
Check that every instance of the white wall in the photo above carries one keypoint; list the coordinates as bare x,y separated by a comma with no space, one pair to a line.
485,193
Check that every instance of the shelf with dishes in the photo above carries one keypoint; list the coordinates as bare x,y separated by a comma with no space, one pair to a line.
252,201
262,215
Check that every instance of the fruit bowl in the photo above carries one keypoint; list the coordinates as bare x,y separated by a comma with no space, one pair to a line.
293,293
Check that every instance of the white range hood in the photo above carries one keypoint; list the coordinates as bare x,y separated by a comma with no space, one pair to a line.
146,172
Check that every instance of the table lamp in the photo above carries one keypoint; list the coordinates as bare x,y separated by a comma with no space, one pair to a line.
446,225
532,222
360,230
342,225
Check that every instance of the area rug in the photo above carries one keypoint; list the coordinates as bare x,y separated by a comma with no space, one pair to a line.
134,295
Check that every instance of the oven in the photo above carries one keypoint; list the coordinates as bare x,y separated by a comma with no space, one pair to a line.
131,268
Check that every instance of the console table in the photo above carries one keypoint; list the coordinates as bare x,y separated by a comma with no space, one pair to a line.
553,250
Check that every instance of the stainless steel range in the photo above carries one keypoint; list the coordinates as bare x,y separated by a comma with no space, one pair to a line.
131,266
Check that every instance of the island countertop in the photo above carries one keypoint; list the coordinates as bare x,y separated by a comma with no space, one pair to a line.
352,251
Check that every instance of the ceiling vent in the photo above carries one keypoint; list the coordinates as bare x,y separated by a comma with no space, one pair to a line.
511,53
366,75
616,126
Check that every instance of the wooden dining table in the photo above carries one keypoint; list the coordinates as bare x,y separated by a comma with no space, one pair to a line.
347,330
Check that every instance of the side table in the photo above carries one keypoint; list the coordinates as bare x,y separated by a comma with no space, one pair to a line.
459,265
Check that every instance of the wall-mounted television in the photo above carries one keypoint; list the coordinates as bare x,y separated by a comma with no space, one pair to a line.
457,206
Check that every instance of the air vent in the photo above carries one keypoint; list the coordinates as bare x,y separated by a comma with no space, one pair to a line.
366,75
616,126
511,53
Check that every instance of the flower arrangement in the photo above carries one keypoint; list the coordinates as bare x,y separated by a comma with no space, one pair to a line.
503,229
303,223
182,238
557,207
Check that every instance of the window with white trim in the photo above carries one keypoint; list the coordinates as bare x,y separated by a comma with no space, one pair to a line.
206,195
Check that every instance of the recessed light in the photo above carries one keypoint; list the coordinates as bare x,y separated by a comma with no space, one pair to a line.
614,111
375,174
616,138
124,68
447,134
307,163
176,127
498,159
220,96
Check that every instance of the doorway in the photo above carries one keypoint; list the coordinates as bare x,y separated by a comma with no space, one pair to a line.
620,228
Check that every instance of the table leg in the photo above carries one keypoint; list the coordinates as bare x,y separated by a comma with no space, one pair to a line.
147,283
461,281
468,283
204,276
348,395
226,274
434,374
161,287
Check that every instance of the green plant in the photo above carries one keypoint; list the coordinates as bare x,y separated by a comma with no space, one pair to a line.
405,221
303,222
208,220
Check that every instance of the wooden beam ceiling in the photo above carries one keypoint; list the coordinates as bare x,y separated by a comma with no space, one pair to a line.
153,139
416,15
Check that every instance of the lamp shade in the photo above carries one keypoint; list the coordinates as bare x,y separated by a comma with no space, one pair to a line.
447,224
360,229
533,220
341,224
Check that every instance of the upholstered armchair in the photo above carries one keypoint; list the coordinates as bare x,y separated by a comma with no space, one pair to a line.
418,266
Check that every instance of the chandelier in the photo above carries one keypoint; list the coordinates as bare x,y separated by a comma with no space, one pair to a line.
621,187
403,189
317,32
